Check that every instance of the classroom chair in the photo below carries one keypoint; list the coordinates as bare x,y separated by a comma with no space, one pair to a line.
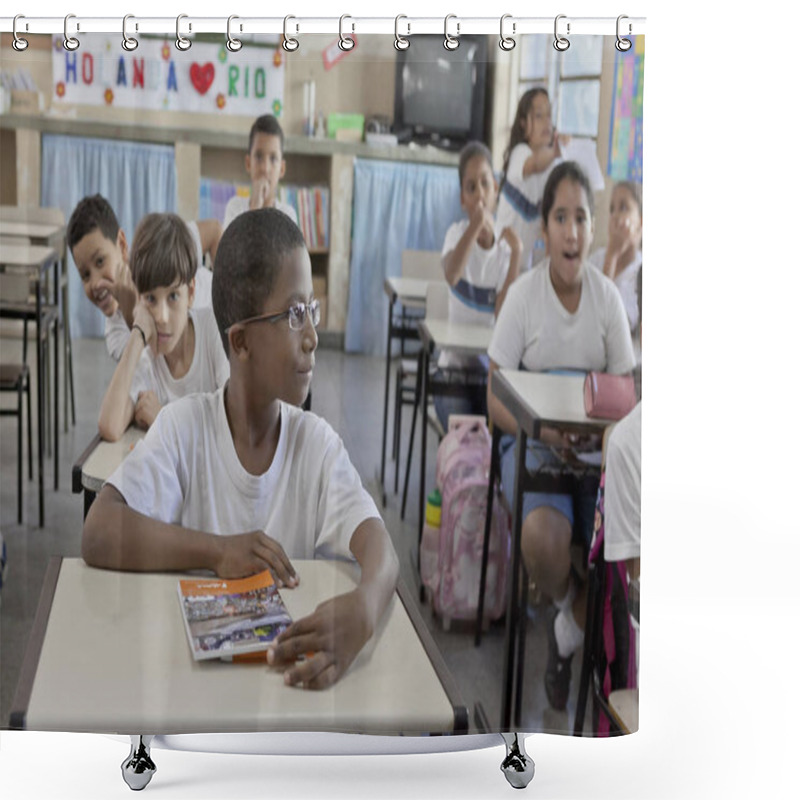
53,216
423,265
436,307
16,378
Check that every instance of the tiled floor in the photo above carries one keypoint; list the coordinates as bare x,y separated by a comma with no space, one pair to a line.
348,392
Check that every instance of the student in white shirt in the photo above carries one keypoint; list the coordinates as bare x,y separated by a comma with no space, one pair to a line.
172,350
266,166
480,262
243,480
562,315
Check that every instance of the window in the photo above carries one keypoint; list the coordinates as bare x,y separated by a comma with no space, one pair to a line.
572,79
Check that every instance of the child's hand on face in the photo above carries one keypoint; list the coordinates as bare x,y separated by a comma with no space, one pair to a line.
332,636
561,140
480,218
259,193
143,319
621,235
146,409
248,553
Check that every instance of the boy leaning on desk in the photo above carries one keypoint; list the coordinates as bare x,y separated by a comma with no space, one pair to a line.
242,480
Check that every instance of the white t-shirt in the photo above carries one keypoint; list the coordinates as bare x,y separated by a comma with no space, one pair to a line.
117,331
186,472
238,205
520,205
472,299
209,370
536,331
623,515
625,281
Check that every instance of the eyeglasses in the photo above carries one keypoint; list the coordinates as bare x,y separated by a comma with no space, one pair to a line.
297,314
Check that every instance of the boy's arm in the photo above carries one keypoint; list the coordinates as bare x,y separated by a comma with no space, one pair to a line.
339,628
210,231
116,411
115,536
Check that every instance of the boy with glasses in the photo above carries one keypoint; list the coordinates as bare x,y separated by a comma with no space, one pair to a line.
243,480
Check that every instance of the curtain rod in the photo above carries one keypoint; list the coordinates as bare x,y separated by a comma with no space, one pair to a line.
405,26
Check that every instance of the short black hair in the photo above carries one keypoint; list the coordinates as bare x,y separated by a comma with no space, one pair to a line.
162,252
268,124
570,171
468,152
249,257
92,213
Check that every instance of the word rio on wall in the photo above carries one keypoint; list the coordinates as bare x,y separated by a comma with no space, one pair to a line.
156,75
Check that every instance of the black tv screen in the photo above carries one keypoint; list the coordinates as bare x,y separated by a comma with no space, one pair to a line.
439,93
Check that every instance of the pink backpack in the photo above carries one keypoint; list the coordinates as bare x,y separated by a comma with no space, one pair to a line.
462,475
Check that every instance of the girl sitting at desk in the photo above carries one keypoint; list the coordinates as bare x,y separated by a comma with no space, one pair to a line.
563,314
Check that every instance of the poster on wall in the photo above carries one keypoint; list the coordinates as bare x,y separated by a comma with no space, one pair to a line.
204,79
625,140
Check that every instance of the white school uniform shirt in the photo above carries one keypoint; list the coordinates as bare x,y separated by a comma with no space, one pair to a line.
117,331
472,300
625,282
186,472
535,332
520,205
238,205
623,492
208,371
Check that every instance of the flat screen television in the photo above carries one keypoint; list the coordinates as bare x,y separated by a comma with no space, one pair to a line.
439,94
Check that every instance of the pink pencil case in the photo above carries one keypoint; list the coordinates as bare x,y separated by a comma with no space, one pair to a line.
608,396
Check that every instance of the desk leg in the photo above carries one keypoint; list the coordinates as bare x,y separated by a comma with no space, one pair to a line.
423,418
55,407
513,597
40,399
487,530
518,766
138,768
417,395
386,400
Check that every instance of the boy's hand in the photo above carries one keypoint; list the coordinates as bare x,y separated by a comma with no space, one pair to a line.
621,236
514,242
248,553
561,140
332,636
146,409
481,218
259,193
144,319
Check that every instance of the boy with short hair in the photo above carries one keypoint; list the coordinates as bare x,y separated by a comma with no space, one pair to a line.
266,166
100,251
243,480
479,264
173,349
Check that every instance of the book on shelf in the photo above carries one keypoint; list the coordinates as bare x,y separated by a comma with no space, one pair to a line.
230,618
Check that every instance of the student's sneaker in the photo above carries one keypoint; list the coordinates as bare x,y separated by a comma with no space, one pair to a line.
558,673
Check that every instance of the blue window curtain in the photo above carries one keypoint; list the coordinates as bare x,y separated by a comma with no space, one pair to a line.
396,207
136,179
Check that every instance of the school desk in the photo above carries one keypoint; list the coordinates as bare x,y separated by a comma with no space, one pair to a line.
535,400
49,234
98,461
108,653
34,261
410,294
466,340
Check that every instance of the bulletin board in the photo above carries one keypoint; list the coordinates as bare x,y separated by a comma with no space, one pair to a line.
625,139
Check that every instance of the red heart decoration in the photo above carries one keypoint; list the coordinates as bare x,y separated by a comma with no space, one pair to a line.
202,76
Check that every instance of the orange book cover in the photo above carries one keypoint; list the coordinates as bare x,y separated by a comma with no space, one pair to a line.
228,618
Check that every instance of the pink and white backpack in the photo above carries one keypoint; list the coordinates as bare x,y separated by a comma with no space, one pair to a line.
462,475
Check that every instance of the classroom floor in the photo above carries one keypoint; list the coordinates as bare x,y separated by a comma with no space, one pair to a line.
348,392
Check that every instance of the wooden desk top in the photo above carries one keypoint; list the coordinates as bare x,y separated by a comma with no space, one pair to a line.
545,399
29,256
44,233
466,339
115,659
410,292
106,457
